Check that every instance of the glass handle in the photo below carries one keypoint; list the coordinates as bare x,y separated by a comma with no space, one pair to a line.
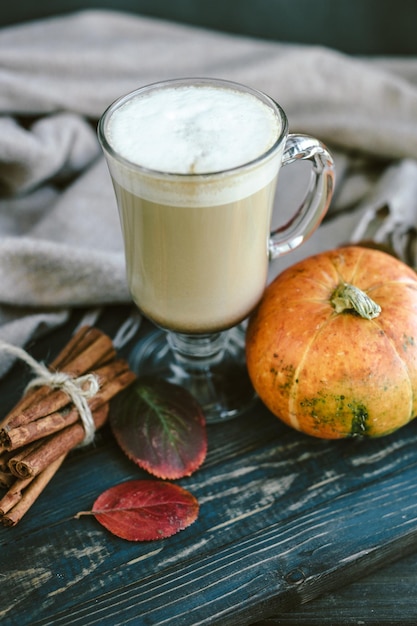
317,199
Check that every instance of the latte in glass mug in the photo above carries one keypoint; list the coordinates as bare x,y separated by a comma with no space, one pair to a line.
194,166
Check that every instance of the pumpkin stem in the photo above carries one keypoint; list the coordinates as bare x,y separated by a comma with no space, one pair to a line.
347,297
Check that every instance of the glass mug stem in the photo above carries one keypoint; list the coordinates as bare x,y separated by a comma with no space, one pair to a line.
197,352
194,163
210,366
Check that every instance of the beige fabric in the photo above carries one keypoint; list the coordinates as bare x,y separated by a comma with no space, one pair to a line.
60,243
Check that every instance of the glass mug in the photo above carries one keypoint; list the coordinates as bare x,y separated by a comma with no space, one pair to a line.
194,164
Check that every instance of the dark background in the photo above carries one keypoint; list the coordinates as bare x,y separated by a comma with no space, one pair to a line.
383,27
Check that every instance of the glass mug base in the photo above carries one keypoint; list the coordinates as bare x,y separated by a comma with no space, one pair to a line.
211,367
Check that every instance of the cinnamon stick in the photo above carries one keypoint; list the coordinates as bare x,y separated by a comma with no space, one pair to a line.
32,491
24,435
112,388
56,445
96,349
17,455
78,342
114,378
14,494
44,426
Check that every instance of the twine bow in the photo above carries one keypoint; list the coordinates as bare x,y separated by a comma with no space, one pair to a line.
79,389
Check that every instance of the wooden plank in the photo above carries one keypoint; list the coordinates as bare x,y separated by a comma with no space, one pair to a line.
385,598
283,518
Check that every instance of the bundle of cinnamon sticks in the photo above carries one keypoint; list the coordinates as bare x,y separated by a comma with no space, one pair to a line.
44,426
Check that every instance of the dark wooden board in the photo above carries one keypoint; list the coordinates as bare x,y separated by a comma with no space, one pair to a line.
283,519
385,598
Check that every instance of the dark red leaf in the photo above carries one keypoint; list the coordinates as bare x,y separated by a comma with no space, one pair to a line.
144,510
161,427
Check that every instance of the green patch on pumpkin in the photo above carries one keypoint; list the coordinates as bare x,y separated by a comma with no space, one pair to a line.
360,419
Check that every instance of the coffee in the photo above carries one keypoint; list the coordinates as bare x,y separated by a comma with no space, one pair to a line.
197,269
195,186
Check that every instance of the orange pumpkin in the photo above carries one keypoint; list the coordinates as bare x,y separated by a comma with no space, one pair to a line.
332,347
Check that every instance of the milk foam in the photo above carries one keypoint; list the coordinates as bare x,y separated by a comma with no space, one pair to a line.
193,129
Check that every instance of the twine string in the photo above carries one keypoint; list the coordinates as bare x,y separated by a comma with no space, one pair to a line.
79,389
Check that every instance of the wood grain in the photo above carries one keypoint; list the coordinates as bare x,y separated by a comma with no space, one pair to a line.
385,598
283,519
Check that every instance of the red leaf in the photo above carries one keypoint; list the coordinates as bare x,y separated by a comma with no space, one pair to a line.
161,427
144,510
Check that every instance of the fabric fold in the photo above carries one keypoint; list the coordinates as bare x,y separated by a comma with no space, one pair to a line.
57,146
